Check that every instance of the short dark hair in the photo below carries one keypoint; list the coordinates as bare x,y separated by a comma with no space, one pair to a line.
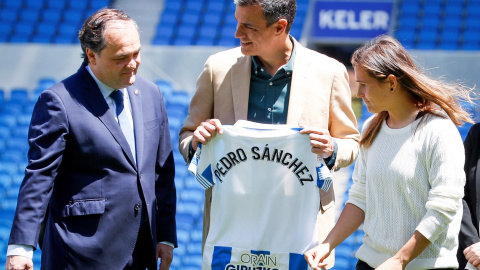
92,34
274,10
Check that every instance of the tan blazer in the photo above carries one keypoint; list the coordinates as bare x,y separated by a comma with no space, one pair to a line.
319,97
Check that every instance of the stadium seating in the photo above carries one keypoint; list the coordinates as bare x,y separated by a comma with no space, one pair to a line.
207,23
43,21
438,24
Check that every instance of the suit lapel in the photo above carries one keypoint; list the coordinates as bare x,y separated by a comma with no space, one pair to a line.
298,95
99,106
240,77
136,102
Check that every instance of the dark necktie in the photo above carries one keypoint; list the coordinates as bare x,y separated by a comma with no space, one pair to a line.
127,130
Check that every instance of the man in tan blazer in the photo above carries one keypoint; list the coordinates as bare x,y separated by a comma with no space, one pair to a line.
316,93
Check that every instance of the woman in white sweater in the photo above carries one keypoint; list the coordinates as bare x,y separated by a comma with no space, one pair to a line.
409,178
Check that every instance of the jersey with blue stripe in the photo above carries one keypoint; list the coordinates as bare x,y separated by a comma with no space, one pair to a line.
265,197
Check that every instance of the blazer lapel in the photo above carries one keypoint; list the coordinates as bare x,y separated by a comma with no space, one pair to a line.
136,102
99,106
298,96
240,77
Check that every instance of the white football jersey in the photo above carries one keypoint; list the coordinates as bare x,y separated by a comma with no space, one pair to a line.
265,197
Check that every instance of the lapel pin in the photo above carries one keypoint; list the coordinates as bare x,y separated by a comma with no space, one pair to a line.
136,92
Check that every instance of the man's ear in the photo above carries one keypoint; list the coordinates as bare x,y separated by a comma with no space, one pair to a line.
281,25
91,56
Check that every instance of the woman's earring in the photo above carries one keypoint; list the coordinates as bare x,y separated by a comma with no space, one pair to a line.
391,89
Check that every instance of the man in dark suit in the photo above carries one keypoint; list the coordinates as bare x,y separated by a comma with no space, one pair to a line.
100,172
469,241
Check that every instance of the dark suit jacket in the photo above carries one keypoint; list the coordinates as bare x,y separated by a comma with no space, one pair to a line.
471,202
82,170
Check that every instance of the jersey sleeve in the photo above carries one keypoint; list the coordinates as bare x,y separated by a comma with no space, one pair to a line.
201,168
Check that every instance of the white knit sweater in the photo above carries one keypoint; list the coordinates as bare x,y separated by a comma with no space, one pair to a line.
411,179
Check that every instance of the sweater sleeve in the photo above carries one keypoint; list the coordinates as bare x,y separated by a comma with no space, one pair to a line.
357,192
444,160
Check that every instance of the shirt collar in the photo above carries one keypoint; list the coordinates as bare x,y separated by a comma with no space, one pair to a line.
104,89
288,67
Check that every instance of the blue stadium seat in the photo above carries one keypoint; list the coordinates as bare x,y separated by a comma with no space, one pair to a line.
427,39
19,95
193,5
190,194
56,4
41,38
5,180
230,21
12,4
68,29
7,165
212,18
8,15
471,40
172,7
12,191
215,6
168,19
34,4
5,28
472,23
186,31
159,40
228,42
434,8
4,134
208,32
44,83
8,204
16,148
430,22
14,155
51,15
454,9
228,32
24,28
190,18
165,87
77,4
192,261
183,41
12,108
410,9
29,15
98,4
24,120
46,28
180,97
73,16
194,248
408,21
20,131
17,178
8,120
452,22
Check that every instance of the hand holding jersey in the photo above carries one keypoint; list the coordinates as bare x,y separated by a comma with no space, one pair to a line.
320,139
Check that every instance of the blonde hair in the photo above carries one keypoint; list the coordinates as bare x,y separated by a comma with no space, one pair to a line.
383,56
